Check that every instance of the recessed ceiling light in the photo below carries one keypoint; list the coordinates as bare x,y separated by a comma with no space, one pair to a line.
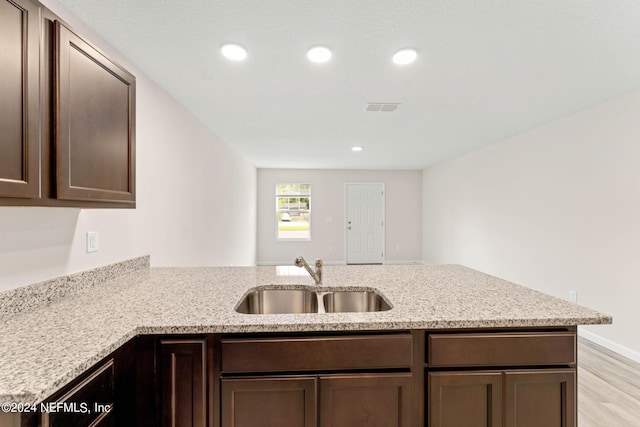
357,148
405,56
234,52
319,54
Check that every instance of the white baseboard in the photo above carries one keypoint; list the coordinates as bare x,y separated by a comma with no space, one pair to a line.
615,347
290,262
410,262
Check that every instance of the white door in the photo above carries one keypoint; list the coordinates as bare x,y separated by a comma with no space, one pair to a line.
365,223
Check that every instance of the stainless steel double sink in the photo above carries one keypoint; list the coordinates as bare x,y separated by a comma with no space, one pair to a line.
310,300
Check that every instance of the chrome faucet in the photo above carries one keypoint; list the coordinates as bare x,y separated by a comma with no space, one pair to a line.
317,274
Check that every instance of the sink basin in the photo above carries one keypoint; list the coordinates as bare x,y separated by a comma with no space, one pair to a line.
354,301
311,300
279,301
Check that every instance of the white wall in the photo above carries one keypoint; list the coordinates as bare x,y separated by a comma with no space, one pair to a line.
403,210
196,200
555,208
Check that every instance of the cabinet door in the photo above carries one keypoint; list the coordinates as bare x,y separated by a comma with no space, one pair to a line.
183,382
19,99
107,421
470,399
94,109
91,400
366,400
540,398
269,402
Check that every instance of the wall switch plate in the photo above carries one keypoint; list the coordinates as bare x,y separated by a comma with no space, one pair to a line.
92,241
573,296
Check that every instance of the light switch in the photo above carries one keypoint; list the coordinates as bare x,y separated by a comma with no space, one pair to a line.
92,241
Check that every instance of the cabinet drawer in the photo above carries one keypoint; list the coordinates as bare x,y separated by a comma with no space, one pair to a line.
501,349
316,353
88,403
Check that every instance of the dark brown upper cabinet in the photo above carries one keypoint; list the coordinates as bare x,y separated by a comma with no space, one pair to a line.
19,99
94,123
67,115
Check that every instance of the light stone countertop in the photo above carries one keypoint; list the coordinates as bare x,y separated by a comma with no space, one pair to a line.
44,348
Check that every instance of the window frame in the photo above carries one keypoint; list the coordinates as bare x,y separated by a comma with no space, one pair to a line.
279,196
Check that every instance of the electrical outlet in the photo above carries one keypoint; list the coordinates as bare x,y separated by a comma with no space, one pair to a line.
92,241
573,296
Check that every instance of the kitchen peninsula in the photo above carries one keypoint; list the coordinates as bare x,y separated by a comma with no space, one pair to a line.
452,334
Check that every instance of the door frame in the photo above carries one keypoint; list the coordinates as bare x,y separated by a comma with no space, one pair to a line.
346,216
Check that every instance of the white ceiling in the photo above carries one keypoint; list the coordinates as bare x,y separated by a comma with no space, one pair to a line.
486,70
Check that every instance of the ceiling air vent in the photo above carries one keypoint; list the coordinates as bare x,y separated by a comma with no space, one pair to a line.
382,106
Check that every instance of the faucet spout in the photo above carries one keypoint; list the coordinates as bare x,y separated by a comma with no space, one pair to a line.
317,274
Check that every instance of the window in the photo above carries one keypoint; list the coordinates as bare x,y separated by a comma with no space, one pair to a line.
293,207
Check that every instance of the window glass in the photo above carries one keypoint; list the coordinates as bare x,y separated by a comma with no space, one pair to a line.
293,209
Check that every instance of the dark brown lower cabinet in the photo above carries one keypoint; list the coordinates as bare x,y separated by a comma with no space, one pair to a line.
362,400
107,421
366,400
439,379
97,388
471,399
103,396
269,402
542,397
519,398
183,382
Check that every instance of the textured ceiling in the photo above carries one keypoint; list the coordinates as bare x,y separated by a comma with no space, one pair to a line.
486,70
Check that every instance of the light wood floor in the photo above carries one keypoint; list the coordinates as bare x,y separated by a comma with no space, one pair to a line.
608,388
